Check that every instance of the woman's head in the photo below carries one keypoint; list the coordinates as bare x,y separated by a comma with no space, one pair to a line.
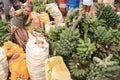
27,9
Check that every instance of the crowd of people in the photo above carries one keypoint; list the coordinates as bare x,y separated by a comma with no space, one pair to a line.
86,4
6,5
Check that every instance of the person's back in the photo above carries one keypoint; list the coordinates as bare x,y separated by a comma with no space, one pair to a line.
16,4
6,8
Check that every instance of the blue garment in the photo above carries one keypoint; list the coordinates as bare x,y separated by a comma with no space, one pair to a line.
88,2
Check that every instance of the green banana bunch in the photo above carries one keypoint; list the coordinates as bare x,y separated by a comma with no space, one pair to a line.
74,17
89,24
85,49
67,43
107,41
39,5
101,34
54,33
103,69
106,13
78,68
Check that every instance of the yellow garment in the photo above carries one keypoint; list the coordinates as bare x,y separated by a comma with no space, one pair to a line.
30,26
44,18
18,66
18,12
55,69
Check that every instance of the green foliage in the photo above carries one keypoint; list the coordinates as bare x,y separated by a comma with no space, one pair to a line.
85,49
74,17
106,13
4,32
103,69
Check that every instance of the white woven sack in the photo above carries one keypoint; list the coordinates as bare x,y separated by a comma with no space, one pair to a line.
3,65
54,11
35,57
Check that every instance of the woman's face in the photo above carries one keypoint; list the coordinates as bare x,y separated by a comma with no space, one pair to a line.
27,11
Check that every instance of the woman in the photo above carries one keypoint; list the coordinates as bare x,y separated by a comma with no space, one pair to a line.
21,20
87,5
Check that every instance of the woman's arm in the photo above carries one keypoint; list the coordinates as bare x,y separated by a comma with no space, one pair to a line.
17,13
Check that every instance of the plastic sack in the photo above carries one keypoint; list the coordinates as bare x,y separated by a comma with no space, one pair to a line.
48,26
3,65
17,66
56,69
54,11
18,69
36,54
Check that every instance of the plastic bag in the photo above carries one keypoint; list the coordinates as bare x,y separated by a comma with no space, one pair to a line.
56,69
36,54
17,66
3,65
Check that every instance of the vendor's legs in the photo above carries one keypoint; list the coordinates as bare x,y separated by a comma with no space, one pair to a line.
86,8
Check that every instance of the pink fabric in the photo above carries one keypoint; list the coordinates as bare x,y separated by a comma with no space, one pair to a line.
36,19
12,11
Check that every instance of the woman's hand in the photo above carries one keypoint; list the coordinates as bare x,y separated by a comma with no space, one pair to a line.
15,56
13,28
